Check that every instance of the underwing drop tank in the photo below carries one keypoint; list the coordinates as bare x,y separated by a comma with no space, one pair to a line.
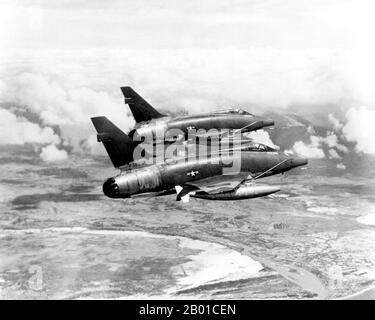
243,192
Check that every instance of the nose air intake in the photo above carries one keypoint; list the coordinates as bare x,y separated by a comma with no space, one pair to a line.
110,188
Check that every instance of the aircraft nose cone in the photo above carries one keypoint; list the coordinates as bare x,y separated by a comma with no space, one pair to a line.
268,123
300,161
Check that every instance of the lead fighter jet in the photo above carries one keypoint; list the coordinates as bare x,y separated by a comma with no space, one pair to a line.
150,122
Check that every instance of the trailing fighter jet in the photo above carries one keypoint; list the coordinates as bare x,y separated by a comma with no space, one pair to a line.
122,149
219,176
150,122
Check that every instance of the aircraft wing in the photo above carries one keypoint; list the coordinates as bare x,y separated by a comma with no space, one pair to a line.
218,184
226,134
211,185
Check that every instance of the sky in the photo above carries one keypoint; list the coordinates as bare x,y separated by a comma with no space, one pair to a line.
286,24
65,60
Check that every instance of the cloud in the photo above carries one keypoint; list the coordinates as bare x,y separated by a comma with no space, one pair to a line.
342,148
262,136
360,129
341,166
17,130
170,24
60,100
314,149
357,127
333,154
337,125
311,130
51,153
331,140
67,87
54,99
264,77
92,146
307,150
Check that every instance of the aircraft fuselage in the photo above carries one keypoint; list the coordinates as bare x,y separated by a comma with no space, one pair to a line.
171,126
167,175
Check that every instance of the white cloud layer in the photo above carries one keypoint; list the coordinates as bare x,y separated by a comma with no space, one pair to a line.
331,140
51,153
337,125
333,154
341,166
262,136
307,150
67,87
259,55
17,130
360,129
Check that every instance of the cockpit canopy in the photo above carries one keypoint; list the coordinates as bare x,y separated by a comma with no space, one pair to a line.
258,147
234,111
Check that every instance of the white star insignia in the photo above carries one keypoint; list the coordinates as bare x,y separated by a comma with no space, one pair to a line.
192,173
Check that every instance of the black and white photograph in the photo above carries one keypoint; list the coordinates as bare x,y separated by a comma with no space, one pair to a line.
211,150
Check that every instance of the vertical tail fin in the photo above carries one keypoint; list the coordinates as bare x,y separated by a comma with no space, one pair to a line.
140,108
118,145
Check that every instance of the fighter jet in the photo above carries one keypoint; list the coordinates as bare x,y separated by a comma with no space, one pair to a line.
220,176
150,122
122,149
